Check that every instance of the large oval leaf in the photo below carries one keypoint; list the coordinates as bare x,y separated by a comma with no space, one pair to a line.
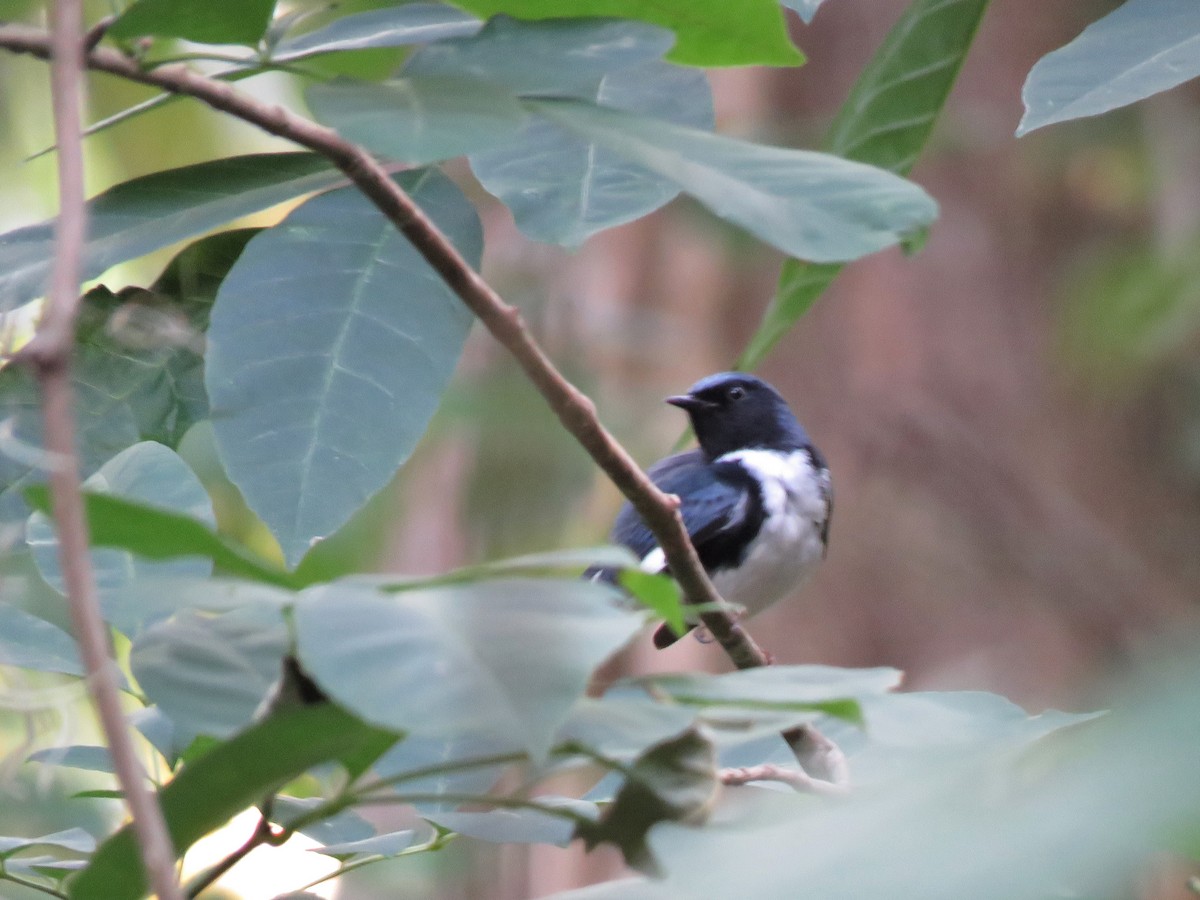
507,658
563,188
150,473
1144,47
330,345
811,205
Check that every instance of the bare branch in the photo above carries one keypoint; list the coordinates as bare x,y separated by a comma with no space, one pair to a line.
795,778
49,354
575,410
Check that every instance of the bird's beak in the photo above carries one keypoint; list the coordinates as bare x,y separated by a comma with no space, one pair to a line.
690,403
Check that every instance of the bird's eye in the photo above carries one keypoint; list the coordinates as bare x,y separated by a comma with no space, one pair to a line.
737,393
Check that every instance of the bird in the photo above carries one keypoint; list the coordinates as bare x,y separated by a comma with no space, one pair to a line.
755,495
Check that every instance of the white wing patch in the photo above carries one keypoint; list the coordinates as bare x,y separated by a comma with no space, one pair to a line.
654,561
788,546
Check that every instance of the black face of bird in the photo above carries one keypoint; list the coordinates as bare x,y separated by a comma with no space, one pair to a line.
733,411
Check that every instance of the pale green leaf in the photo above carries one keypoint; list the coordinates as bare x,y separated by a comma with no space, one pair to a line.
330,345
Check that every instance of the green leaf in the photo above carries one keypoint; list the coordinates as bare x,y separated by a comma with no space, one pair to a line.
886,121
1079,818
457,96
658,593
673,781
825,688
98,794
518,826
559,57
511,656
1139,49
417,754
210,673
158,534
32,643
330,345
146,472
621,726
77,756
216,786
708,32
808,204
419,119
397,26
203,21
562,188
155,211
385,845
74,839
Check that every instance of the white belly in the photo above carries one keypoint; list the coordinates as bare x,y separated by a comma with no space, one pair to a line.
788,547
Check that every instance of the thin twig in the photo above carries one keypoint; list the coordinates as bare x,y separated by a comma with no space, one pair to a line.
32,885
49,354
263,834
574,409
794,778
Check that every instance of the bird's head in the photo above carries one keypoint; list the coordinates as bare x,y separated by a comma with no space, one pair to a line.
735,411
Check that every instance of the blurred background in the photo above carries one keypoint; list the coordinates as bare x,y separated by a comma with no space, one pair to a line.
1012,416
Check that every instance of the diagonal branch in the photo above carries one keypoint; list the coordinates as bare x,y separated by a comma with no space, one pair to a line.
574,409
49,355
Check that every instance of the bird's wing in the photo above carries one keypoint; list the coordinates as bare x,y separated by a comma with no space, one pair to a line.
715,502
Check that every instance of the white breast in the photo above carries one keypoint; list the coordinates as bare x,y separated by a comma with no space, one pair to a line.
788,547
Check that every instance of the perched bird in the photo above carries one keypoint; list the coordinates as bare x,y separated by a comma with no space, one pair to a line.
755,496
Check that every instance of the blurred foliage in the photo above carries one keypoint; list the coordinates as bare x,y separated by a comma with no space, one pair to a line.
465,696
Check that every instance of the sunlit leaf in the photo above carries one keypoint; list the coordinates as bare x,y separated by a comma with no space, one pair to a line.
156,533
708,32
330,345
204,21
155,211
